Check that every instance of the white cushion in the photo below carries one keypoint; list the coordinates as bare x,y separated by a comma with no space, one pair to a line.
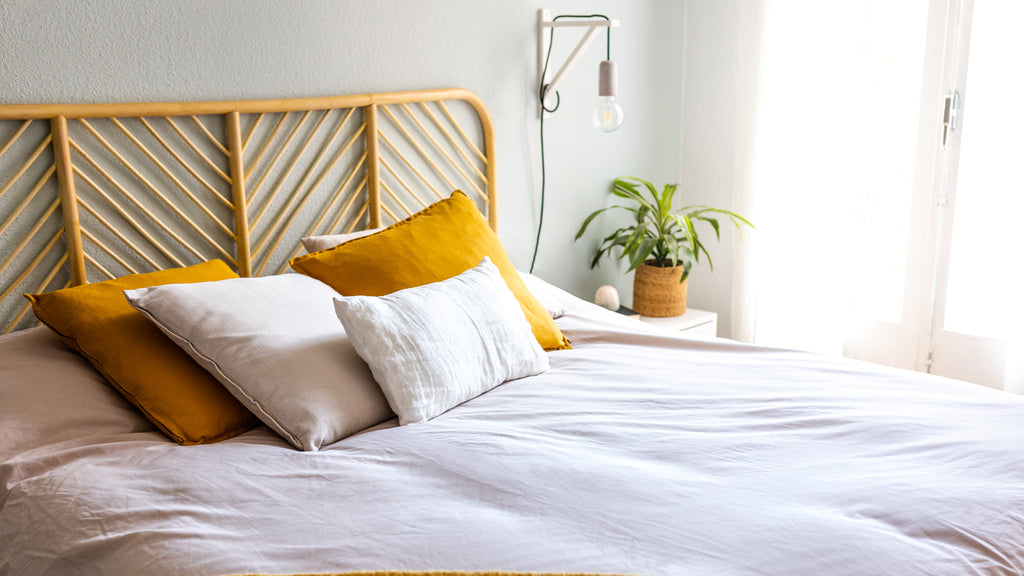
276,345
545,293
318,243
435,346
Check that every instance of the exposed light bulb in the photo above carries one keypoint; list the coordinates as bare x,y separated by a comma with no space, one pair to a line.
607,112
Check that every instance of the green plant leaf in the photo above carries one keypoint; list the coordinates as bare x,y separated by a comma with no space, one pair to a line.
672,249
640,256
650,190
647,184
588,220
634,240
617,238
594,214
627,190
714,224
597,257
685,253
735,218
698,248
667,195
687,224
641,214
628,193
660,253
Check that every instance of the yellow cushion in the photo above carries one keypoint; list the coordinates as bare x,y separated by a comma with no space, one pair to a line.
152,372
438,242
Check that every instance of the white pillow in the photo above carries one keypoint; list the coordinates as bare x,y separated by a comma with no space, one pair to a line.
435,346
318,243
275,344
545,293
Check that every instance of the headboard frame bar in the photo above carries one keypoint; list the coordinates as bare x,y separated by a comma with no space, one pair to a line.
45,111
238,198
373,166
238,180
68,202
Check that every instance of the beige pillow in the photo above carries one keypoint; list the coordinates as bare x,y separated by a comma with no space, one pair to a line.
276,345
318,243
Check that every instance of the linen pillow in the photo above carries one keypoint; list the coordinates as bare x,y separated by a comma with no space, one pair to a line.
438,242
174,392
318,243
275,344
435,346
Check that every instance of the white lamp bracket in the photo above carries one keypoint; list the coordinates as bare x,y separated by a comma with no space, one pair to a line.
545,22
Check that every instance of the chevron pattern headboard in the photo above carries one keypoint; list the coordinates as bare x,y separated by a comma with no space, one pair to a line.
91,192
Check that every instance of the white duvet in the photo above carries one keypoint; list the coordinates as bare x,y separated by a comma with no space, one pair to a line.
637,453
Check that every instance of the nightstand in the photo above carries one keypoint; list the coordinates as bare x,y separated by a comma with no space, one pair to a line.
697,323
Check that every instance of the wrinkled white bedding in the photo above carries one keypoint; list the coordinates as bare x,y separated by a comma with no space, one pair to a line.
638,452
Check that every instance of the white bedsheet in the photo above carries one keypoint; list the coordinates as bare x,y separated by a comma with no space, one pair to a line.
637,453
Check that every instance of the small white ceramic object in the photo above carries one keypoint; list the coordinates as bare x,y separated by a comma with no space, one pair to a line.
607,297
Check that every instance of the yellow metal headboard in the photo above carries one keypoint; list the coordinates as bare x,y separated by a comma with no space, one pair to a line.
138,187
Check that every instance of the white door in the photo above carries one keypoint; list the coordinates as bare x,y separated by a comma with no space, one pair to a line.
962,303
890,183
978,310
901,336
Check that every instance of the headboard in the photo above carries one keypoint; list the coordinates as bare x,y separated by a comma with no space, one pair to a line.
96,191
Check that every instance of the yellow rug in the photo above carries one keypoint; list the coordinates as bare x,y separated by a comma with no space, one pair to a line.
442,573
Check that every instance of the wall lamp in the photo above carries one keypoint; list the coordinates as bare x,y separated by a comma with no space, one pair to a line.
607,112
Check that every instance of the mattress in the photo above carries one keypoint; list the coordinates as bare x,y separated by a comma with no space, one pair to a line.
638,452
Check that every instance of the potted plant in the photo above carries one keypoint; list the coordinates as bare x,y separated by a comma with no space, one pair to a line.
661,244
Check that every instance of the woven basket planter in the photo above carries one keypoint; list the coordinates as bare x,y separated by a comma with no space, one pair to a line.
657,291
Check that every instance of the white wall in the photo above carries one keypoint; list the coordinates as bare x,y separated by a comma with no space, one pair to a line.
111,51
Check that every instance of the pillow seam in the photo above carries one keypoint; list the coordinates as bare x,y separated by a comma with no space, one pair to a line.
167,329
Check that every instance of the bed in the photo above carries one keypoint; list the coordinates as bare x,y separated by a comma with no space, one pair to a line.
634,452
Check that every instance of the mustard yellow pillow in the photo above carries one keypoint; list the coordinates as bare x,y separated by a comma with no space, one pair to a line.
150,370
437,243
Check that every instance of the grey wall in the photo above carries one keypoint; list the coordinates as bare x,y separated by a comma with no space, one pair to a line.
111,51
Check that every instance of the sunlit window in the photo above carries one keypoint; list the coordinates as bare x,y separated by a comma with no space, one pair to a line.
838,114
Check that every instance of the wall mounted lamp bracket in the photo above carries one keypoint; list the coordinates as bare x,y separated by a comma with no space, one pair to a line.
545,22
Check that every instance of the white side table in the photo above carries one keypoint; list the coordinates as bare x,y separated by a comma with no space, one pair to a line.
698,323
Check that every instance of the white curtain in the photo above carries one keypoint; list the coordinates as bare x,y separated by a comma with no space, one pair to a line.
823,128
749,22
